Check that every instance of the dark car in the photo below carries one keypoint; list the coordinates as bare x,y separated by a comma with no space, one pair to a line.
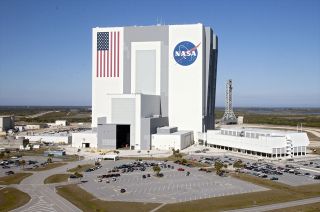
273,178
9,173
72,176
148,175
144,176
316,177
180,169
122,190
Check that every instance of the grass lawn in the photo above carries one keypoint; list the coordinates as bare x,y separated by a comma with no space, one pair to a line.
57,178
81,168
49,166
14,178
87,202
11,198
279,193
314,207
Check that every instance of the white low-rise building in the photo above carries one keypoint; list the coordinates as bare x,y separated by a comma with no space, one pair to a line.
259,142
87,139
57,139
168,138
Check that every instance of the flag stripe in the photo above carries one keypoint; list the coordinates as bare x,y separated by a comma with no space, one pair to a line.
115,49
111,50
118,55
104,63
97,62
107,63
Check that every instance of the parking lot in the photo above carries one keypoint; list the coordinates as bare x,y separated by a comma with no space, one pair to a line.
174,186
290,173
13,165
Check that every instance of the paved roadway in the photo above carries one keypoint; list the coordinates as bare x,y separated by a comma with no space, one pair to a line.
43,196
278,205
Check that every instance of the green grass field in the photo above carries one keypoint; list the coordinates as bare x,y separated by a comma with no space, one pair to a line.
57,178
11,198
14,178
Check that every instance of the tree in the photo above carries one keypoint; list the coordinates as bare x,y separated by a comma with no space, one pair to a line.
78,175
50,156
156,169
218,167
238,165
184,161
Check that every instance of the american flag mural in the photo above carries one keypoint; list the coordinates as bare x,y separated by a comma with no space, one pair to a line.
108,54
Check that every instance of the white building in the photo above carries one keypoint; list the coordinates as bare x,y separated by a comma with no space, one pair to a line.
58,123
49,138
87,139
149,77
259,142
34,126
168,138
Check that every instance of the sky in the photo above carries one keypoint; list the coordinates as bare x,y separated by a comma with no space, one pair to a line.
269,48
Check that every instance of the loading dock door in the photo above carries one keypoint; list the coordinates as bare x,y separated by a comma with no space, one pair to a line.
123,136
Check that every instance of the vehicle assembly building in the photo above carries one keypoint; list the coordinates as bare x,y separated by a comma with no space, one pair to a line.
149,77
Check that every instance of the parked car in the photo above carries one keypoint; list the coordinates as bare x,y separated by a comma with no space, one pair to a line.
180,169
9,172
273,178
122,190
316,177
144,176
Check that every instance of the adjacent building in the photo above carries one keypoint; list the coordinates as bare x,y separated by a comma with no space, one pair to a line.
259,142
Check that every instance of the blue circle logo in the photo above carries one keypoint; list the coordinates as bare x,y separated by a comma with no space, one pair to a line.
185,53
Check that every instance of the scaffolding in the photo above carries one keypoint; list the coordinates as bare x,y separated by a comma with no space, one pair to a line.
229,117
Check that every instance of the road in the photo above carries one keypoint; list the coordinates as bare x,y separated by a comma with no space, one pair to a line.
278,205
43,196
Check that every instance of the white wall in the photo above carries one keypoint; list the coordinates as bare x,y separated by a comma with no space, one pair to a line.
84,137
171,141
104,85
186,93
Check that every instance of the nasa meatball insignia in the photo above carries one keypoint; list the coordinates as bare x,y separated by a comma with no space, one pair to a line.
185,53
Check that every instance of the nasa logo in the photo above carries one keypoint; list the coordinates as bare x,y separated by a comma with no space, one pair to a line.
185,53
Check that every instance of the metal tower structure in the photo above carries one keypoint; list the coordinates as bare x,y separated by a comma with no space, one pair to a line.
229,117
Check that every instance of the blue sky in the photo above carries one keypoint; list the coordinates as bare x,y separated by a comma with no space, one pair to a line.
271,48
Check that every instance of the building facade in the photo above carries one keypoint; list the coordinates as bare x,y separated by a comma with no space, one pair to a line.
259,142
145,77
